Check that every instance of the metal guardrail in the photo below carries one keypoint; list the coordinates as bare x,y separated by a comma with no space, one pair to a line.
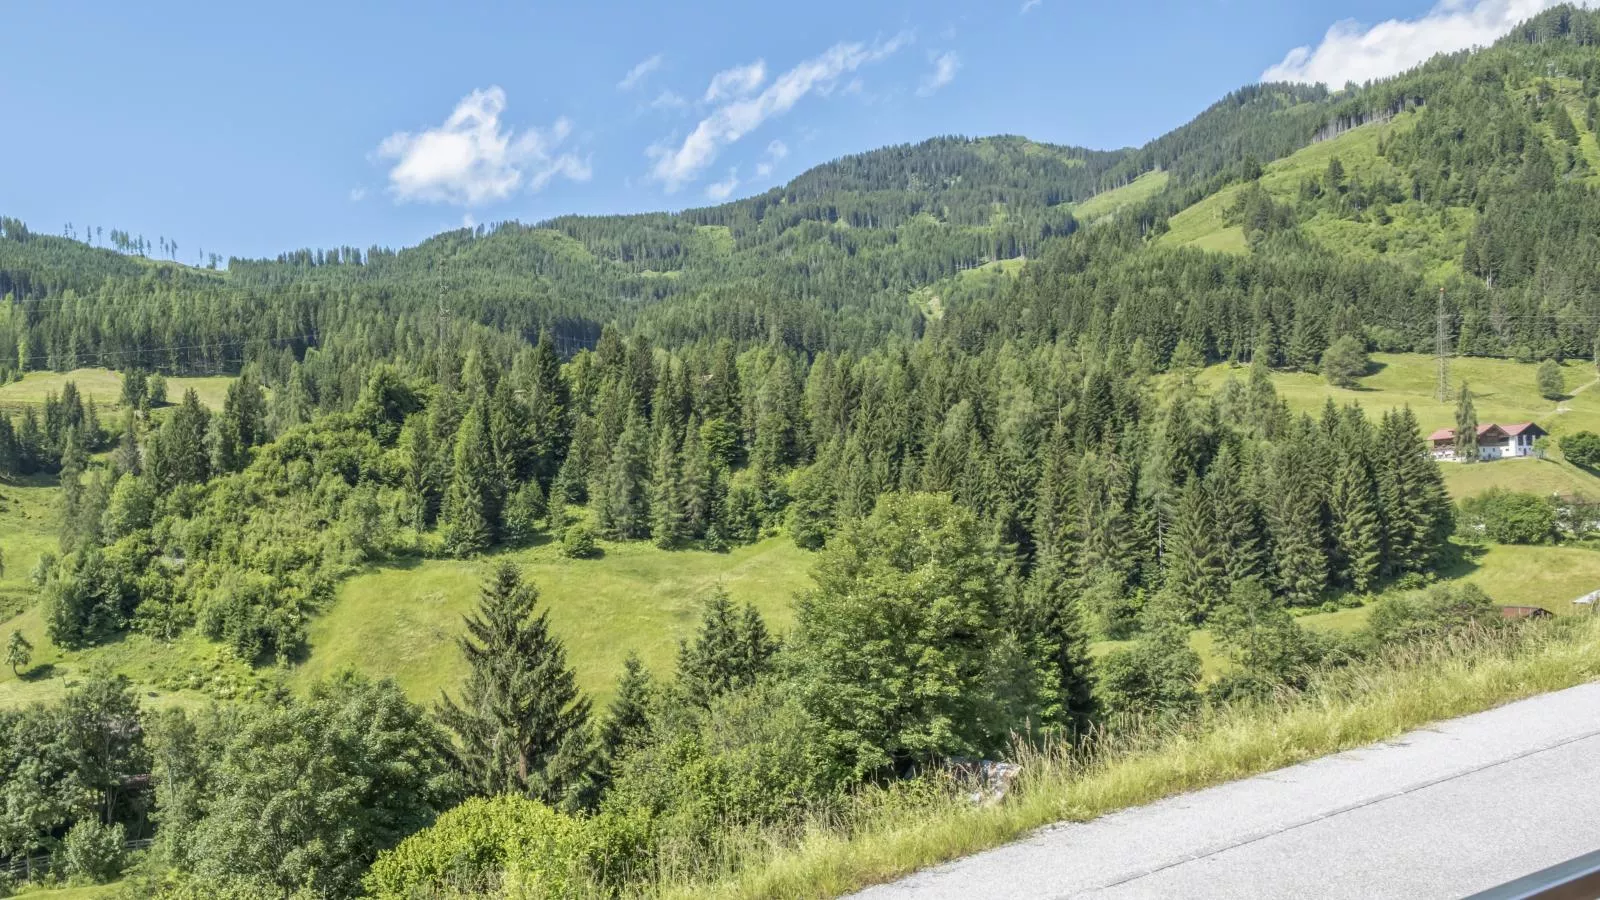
1575,879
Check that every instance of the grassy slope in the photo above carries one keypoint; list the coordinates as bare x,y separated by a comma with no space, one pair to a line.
1107,202
183,673
29,520
104,387
930,298
1416,238
1503,391
403,621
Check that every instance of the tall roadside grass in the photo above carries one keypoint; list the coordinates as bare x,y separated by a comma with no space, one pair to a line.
888,833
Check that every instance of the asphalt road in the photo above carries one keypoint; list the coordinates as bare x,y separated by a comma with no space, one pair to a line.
1444,811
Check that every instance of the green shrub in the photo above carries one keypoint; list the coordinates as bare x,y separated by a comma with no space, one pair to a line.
92,851
579,543
754,758
499,845
1440,610
1345,361
1552,382
1582,448
1157,676
1509,517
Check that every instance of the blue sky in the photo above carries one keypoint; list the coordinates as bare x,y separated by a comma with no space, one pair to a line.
294,124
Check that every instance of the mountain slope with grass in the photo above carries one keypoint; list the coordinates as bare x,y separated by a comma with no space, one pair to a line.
685,551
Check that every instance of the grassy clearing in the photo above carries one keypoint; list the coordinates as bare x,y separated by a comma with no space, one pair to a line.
104,387
931,298
1423,240
1551,577
1352,709
1204,225
1503,391
1134,192
184,672
30,516
403,621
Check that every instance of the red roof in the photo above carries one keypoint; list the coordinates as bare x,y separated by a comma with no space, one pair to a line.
1449,434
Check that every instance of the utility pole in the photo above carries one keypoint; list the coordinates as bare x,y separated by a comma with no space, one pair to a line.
443,308
1441,349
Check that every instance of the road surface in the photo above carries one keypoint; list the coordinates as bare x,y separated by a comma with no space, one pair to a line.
1444,811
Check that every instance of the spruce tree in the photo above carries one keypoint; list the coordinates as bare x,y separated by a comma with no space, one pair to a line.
509,435
627,721
181,445
467,516
1415,507
1466,427
521,721
1561,124
1294,517
667,514
242,425
732,650
126,457
524,513
696,485
1193,566
1239,530
420,474
548,403
1436,513
1358,532
10,450
1051,628
625,500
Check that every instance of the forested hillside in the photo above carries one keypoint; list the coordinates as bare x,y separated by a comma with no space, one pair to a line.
983,417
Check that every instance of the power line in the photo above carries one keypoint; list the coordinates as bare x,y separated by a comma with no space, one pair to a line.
100,357
1441,338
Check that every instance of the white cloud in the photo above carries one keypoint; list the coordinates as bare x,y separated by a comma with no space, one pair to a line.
944,72
1028,5
467,221
739,81
775,151
471,159
357,194
735,119
638,73
1350,52
668,100
722,189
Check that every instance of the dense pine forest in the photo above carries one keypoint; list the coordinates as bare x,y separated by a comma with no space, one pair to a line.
978,411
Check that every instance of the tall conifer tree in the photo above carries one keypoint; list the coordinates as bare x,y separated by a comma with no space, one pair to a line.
521,720
468,515
1466,427
625,500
